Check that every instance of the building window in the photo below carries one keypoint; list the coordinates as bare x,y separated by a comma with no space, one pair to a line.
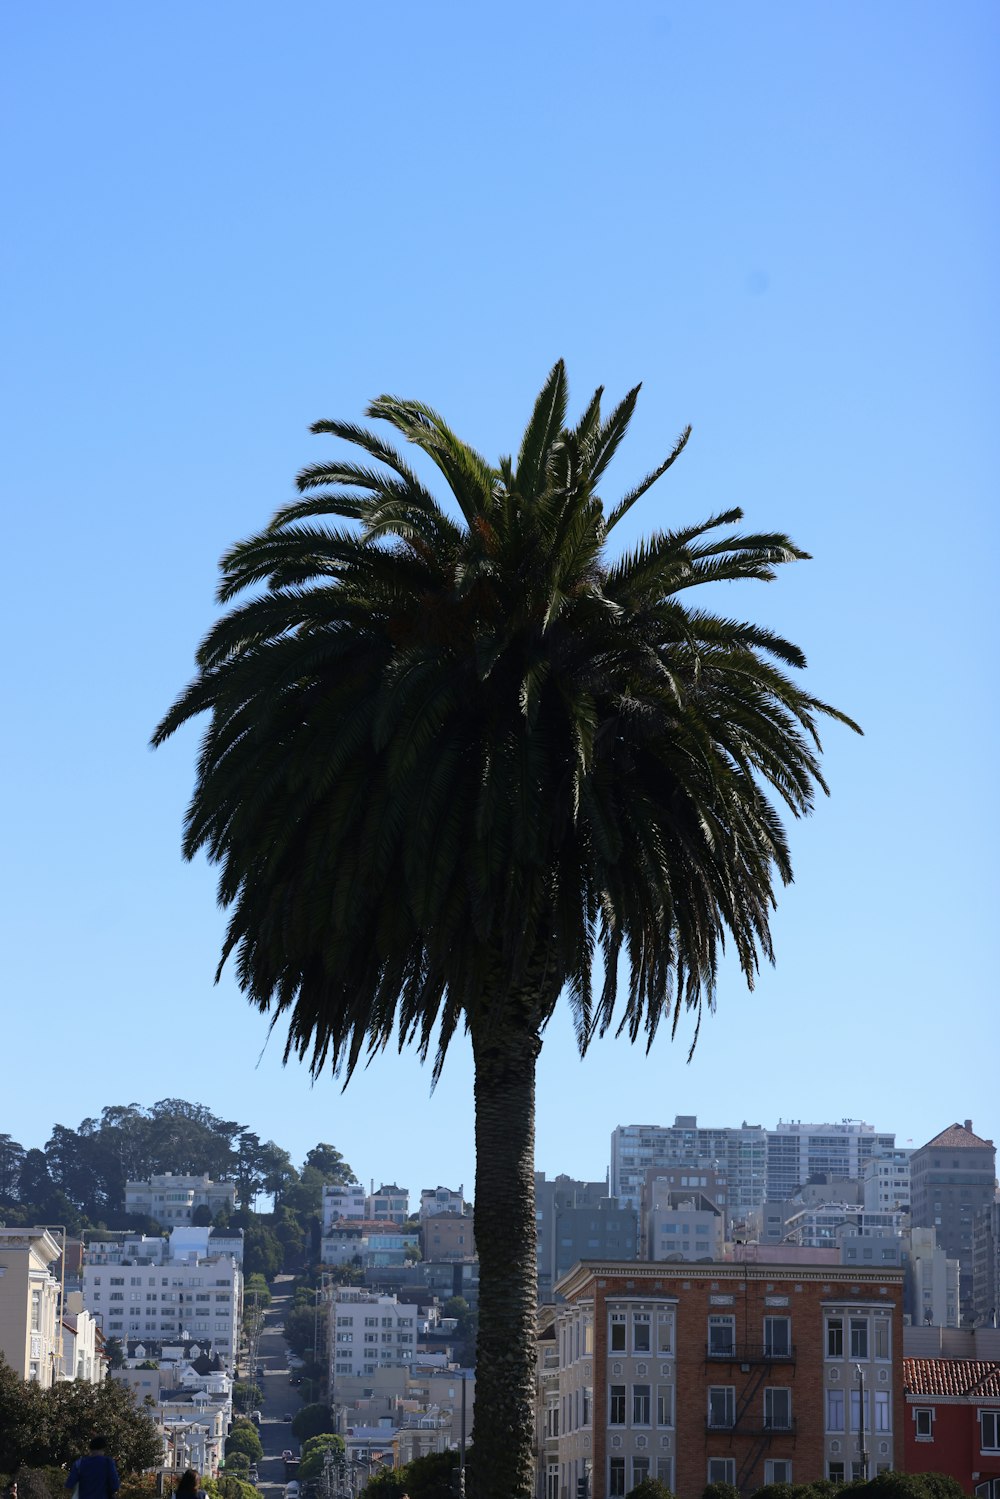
616,1406
616,1478
778,1409
664,1405
640,1471
617,1332
989,1431
722,1407
834,1410
778,1336
721,1335
882,1343
923,1421
883,1417
640,1332
859,1337
835,1337
665,1335
722,1470
835,1472
640,1404
856,1411
777,1470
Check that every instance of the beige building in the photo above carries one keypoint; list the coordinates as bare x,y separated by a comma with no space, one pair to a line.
447,1236
30,1330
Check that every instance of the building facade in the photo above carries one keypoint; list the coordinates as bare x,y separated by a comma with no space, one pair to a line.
986,1265
552,1197
31,1334
434,1200
953,1421
952,1179
173,1199
798,1151
343,1204
368,1332
886,1181
135,1289
741,1374
448,1236
389,1204
739,1152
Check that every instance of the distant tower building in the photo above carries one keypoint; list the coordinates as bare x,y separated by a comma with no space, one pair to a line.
986,1265
952,1179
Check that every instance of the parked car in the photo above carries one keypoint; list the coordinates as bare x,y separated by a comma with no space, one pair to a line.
292,1489
254,1475
287,1455
287,1416
255,1417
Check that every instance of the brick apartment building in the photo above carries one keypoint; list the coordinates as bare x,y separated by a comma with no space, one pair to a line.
737,1373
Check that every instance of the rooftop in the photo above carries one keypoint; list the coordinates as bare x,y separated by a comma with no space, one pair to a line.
971,1377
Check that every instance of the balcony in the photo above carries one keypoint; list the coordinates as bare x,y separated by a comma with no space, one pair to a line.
751,1353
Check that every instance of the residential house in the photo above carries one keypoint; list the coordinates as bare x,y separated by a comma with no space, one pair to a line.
31,1332
174,1199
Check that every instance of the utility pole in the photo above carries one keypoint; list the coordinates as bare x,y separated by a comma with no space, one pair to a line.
863,1433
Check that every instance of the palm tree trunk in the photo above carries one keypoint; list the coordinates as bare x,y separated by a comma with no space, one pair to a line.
504,1422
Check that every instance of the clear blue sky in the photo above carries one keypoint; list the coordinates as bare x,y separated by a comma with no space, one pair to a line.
225,221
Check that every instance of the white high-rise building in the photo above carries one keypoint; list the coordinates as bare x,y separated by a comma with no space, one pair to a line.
797,1151
761,1165
741,1152
369,1332
886,1181
138,1289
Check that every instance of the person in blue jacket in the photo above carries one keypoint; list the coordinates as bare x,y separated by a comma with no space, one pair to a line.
96,1474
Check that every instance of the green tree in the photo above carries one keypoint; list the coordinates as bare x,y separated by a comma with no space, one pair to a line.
429,1477
330,1164
313,1455
312,1421
306,1328
40,1426
244,1437
246,1396
454,755
650,1488
11,1160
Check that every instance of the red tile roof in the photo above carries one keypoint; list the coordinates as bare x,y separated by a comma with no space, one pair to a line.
956,1137
974,1378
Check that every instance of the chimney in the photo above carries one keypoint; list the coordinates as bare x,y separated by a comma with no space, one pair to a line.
968,1125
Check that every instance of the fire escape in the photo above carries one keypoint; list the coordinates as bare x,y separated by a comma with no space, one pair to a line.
756,1362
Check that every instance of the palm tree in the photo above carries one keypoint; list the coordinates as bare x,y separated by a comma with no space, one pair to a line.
454,757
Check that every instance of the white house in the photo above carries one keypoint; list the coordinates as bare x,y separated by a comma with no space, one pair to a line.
173,1199
82,1343
434,1200
342,1203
